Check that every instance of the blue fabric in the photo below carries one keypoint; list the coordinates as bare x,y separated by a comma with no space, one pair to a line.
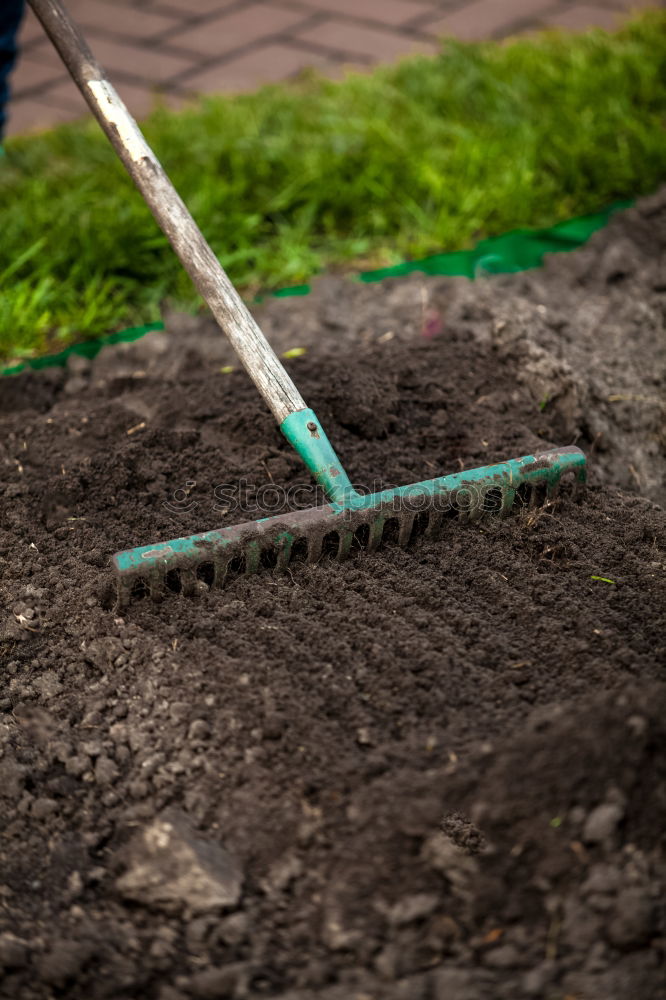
11,12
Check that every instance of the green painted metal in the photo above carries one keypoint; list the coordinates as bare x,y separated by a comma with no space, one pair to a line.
306,435
465,495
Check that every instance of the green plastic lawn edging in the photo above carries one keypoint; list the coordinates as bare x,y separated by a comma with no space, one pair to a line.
86,349
518,250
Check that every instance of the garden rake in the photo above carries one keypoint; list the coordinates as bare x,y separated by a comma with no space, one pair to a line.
349,518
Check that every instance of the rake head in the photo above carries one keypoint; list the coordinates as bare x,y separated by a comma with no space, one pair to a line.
333,530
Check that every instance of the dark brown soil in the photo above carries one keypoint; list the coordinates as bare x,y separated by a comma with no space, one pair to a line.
426,774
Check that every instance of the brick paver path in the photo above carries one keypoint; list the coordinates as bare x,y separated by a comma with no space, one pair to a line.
178,48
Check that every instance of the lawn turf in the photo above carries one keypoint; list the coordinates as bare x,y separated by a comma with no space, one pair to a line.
426,155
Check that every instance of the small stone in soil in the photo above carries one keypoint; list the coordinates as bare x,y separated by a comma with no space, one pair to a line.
214,983
14,951
632,922
602,822
169,868
199,730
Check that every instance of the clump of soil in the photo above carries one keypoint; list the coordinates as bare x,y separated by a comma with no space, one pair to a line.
424,774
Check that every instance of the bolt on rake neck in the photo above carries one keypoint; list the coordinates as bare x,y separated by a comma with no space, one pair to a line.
306,435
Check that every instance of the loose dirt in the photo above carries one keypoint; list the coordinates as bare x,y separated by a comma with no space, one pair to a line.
426,774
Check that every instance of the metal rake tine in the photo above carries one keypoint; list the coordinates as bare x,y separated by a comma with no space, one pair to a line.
346,539
252,556
435,522
332,529
156,585
284,553
406,525
508,499
376,533
314,544
188,582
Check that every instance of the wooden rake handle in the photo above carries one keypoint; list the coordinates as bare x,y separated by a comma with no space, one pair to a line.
170,212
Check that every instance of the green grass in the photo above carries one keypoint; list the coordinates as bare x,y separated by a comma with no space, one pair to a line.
425,156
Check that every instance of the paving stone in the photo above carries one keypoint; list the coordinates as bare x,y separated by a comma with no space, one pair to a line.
41,52
268,64
140,100
194,8
145,43
31,30
377,44
32,115
487,18
148,62
238,28
118,19
584,16
30,75
64,93
631,6
391,12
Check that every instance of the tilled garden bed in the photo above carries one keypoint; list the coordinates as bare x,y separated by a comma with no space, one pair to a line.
432,773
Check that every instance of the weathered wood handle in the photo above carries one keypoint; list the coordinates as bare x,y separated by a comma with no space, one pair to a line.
171,214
